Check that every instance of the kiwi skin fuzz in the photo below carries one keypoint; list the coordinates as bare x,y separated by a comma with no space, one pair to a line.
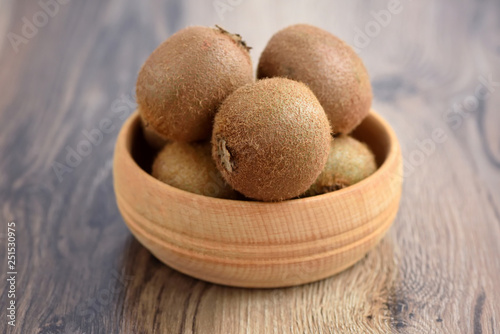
349,162
330,67
271,139
187,77
189,166
153,138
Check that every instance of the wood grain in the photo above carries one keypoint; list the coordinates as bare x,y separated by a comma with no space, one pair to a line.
80,270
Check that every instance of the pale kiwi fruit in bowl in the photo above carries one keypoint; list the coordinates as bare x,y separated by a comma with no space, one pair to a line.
189,166
183,82
349,162
271,139
330,67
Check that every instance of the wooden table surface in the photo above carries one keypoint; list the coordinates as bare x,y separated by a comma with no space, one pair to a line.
67,67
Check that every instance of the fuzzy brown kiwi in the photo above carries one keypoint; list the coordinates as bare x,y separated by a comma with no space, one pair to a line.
187,77
349,162
152,137
271,139
190,167
330,67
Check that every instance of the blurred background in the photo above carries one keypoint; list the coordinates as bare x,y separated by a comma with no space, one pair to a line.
67,67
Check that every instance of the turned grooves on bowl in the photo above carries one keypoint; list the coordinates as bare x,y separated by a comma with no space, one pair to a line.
255,244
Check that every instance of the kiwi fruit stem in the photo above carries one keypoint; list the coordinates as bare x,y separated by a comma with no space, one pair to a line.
235,37
224,154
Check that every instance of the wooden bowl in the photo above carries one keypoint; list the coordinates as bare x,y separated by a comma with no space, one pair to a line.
256,244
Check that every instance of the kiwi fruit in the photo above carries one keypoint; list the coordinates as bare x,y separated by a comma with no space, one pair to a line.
187,77
331,69
271,139
349,162
189,166
153,138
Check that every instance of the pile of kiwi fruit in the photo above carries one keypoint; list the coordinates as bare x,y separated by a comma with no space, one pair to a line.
218,131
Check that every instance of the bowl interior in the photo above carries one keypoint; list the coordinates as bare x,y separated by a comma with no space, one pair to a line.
141,152
371,131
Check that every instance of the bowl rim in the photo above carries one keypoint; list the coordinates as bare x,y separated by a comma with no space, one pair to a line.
392,152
